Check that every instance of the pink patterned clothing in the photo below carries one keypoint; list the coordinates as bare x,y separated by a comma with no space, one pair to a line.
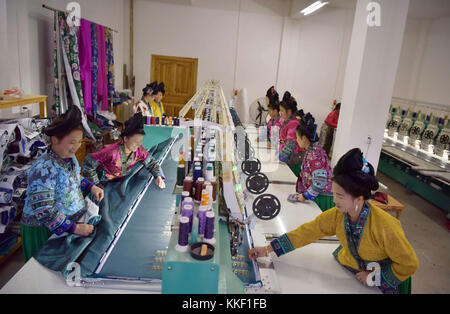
274,122
102,80
111,163
288,139
316,173
85,55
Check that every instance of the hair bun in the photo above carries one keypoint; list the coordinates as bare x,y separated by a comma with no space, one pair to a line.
287,96
351,161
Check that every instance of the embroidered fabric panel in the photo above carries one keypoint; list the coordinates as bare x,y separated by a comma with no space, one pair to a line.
52,194
315,177
153,166
90,166
288,133
282,245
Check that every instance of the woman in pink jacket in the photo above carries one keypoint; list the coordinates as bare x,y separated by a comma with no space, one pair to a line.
290,152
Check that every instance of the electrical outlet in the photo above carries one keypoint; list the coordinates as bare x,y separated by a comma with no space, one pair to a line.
369,140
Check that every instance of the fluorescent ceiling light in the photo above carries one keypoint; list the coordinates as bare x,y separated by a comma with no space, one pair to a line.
313,7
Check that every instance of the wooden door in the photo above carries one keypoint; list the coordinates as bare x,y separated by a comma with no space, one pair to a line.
180,79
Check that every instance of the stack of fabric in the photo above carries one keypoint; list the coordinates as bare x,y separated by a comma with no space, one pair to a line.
21,143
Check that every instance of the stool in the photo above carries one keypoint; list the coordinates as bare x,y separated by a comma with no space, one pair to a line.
392,205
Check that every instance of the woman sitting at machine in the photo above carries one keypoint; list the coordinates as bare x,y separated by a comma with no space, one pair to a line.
144,105
314,180
369,237
290,152
157,105
116,160
54,200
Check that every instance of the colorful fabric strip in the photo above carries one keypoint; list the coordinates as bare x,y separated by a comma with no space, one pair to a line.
282,245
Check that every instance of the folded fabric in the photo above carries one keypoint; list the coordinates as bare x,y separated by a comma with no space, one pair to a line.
7,242
4,217
20,171
10,182
381,197
5,196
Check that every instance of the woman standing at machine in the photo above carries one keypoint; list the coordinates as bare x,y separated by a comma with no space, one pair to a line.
54,200
116,160
157,105
314,180
144,105
369,236
290,152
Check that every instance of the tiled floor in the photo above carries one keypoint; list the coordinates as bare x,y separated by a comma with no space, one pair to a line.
424,226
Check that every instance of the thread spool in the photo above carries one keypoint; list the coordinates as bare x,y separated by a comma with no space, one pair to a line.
214,191
188,184
182,159
148,121
188,200
152,120
184,194
201,215
205,198
209,188
209,228
188,211
181,172
183,235
198,189
197,173
209,172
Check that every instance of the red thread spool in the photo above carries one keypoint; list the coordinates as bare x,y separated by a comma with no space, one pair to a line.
214,185
188,184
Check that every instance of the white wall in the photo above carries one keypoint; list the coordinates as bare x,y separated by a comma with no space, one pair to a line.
30,42
249,44
424,68
315,68
238,44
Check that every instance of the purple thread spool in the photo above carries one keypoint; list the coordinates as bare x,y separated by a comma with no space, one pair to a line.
209,228
184,194
201,215
183,235
188,211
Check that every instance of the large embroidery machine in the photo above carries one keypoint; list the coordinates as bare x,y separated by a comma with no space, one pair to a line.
416,149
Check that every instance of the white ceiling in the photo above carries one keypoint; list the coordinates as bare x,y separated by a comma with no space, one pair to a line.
421,9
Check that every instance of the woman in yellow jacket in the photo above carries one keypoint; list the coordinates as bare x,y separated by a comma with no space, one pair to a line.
369,236
157,105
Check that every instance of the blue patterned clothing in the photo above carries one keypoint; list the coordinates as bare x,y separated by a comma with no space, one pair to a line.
54,196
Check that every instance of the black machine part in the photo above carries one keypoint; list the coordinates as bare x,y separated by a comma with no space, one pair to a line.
266,206
251,166
257,183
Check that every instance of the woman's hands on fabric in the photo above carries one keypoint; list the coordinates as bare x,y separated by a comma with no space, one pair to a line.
362,277
84,229
98,193
301,198
160,183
